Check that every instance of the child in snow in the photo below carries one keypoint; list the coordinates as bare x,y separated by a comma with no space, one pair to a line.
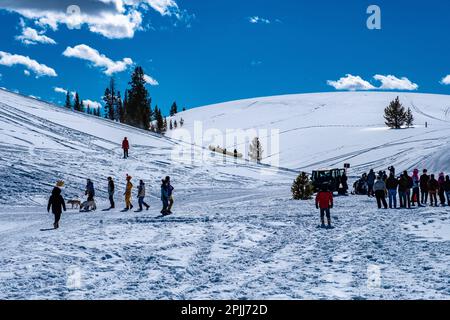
125,147
128,190
324,202
141,196
170,194
164,197
57,204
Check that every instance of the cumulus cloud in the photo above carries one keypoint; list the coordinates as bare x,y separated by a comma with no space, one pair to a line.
150,80
60,90
97,59
446,80
391,82
30,36
115,19
9,60
351,83
256,20
92,104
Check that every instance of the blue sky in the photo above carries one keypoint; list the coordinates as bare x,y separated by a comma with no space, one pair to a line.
203,52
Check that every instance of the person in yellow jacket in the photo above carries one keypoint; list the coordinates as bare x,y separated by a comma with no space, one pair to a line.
127,194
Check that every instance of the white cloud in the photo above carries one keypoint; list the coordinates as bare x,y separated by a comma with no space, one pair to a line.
92,104
31,36
26,72
391,82
10,60
114,19
60,90
256,20
351,83
87,53
446,80
150,80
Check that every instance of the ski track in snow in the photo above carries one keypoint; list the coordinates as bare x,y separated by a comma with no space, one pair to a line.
235,234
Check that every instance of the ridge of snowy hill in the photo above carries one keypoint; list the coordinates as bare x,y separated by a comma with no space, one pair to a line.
330,129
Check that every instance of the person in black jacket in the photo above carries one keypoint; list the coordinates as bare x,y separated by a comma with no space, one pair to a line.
391,186
447,188
57,204
111,189
424,179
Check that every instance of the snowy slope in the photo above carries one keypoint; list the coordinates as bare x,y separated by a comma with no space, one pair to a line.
329,129
235,234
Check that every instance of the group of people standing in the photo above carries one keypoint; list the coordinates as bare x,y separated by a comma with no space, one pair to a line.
411,190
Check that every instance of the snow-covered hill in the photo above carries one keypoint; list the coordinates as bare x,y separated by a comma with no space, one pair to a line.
236,233
329,129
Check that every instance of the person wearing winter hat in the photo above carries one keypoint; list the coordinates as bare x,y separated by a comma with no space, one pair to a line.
433,187
128,191
424,179
415,189
56,203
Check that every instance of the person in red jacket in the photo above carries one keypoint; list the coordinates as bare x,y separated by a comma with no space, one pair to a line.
324,202
125,147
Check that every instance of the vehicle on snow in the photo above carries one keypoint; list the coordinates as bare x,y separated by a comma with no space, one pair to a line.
329,178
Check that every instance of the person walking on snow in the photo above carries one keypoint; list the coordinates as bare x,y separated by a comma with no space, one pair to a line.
424,179
441,191
404,189
324,202
391,186
128,191
57,204
415,189
90,193
164,197
433,187
370,182
125,147
141,196
111,189
170,194
447,189
380,192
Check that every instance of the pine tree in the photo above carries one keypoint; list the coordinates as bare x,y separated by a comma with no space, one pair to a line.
119,114
173,109
125,103
395,114
159,120
82,109
184,109
256,150
88,109
409,118
302,188
68,104
175,124
138,111
164,126
181,123
77,103
171,124
111,100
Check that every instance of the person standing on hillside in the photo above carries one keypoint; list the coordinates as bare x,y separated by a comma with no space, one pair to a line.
404,189
111,189
433,187
56,203
170,194
380,192
141,196
447,189
128,191
415,189
391,186
164,197
370,182
324,202
441,191
125,147
424,179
